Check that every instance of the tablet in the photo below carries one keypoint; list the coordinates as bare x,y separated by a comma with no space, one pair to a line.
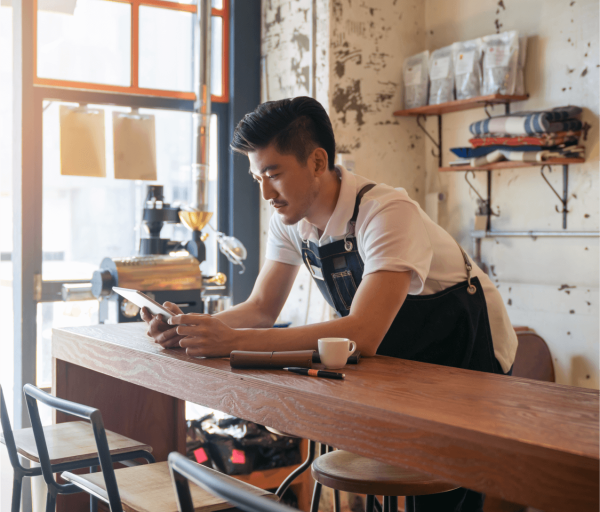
143,301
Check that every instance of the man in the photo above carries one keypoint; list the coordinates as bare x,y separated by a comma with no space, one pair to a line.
401,284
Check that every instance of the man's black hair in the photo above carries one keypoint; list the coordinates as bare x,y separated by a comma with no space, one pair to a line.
296,126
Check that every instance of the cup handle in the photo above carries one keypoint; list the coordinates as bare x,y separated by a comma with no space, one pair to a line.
352,349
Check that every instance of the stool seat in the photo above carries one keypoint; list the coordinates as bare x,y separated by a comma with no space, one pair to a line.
148,488
344,471
72,441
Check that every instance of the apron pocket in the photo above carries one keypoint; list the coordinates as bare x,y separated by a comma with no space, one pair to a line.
345,286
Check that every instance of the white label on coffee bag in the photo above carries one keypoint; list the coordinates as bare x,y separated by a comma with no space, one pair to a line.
440,68
497,57
413,75
464,63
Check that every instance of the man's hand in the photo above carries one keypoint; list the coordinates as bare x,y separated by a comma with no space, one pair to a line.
205,335
160,330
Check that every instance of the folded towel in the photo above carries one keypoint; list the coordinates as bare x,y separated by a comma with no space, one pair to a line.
526,156
486,150
536,139
524,123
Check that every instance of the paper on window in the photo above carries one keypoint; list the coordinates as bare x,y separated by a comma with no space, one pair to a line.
82,142
134,140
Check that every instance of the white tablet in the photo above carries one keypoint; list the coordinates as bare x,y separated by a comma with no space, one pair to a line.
143,301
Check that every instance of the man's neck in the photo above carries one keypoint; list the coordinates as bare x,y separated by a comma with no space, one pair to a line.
326,201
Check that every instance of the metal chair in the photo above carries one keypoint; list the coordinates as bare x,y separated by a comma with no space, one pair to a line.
225,487
62,438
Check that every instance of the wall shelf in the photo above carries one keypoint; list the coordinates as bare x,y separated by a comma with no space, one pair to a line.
460,105
512,165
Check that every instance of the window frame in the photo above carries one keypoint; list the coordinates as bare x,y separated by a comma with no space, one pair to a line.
134,88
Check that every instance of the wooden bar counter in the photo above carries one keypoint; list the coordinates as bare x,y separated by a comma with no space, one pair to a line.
524,441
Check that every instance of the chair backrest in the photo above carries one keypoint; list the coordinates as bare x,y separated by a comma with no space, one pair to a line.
183,469
533,359
9,439
32,396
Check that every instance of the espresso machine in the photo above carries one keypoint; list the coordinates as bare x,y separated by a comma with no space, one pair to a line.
165,270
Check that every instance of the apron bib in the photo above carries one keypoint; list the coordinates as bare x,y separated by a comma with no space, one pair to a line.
449,328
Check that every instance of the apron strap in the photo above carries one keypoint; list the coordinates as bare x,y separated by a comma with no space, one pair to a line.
471,289
361,193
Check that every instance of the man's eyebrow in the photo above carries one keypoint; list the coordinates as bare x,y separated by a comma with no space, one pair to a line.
264,169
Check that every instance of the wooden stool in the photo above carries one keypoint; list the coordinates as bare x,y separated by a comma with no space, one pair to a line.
149,488
344,471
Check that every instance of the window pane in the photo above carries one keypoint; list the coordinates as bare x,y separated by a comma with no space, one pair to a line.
166,49
216,55
54,315
187,2
92,45
6,207
217,4
88,219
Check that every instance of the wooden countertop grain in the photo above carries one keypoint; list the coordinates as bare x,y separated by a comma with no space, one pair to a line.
525,441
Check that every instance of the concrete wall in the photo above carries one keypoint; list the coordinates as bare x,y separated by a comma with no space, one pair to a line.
550,285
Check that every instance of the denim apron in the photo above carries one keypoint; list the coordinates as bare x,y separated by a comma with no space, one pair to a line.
449,328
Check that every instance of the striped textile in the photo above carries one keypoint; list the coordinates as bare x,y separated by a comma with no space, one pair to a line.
524,123
536,139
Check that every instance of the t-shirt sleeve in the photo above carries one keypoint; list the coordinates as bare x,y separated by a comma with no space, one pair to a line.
280,246
394,238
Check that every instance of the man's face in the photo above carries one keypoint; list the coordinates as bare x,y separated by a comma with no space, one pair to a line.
287,184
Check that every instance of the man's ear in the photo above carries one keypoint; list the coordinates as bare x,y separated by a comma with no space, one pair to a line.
320,161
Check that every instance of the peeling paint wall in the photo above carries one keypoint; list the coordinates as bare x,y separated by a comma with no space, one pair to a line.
289,70
548,284
369,42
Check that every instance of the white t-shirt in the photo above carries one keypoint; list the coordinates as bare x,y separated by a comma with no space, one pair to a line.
393,233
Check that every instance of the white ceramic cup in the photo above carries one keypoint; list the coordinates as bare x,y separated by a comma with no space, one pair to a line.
334,352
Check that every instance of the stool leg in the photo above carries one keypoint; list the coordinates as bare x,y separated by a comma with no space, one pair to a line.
50,502
377,504
314,507
393,503
386,504
370,505
301,469
16,491
337,507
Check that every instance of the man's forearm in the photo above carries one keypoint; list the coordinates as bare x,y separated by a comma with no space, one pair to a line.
246,315
306,337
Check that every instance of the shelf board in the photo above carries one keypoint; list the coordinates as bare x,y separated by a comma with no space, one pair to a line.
513,165
458,105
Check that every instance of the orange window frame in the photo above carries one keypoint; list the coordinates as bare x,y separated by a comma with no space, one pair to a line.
134,88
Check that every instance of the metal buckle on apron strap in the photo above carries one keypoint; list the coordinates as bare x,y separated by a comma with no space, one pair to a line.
316,272
471,289
347,243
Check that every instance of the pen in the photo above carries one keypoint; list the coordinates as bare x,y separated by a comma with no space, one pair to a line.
316,373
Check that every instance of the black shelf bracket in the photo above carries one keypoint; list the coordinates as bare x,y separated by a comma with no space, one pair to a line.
565,197
437,143
486,204
488,104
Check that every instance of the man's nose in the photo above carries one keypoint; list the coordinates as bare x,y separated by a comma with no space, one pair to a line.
267,190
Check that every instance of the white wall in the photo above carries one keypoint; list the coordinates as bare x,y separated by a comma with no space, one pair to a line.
367,44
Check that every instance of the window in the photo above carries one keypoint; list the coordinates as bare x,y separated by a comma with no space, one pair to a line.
128,46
